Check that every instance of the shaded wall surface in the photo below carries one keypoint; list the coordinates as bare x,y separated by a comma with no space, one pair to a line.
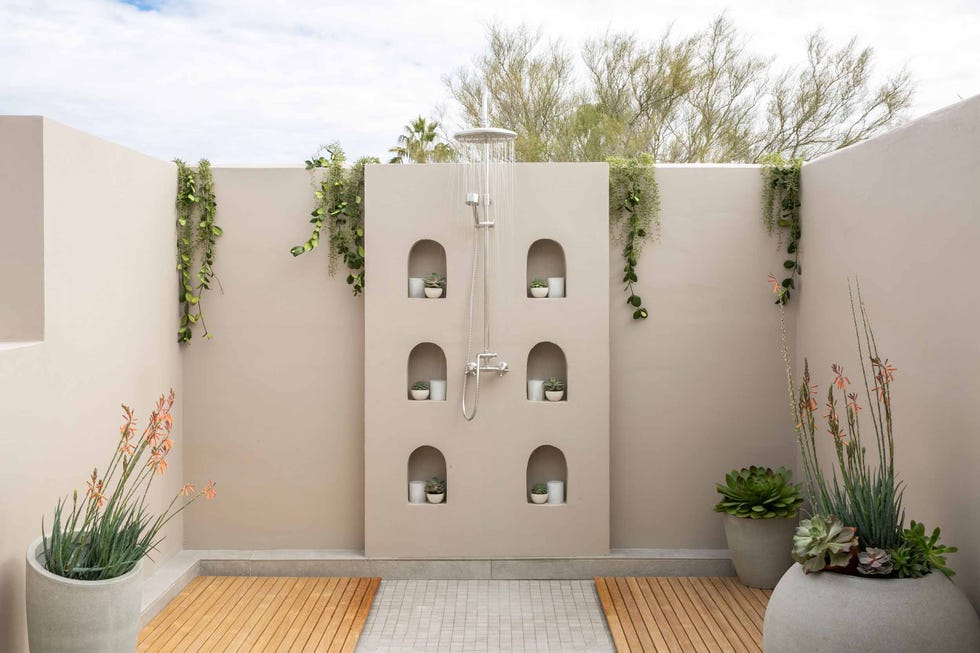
109,318
902,212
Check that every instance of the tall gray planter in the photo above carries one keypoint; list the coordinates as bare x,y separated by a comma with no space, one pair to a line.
69,616
816,613
760,548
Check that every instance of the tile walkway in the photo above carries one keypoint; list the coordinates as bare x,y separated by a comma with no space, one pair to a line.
471,616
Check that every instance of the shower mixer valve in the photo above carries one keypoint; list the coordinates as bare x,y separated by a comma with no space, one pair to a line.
500,368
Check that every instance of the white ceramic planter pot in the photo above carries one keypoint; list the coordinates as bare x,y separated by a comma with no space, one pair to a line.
535,389
556,286
539,292
418,395
554,395
416,491
68,616
437,390
539,498
760,549
433,293
556,491
811,613
435,498
416,287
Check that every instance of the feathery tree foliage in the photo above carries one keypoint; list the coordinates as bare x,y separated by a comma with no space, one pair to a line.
700,98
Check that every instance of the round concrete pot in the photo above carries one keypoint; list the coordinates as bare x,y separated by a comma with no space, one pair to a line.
760,549
539,498
554,395
833,612
419,395
435,498
433,293
67,616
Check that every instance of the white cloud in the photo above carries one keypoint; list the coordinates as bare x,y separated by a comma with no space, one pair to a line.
266,82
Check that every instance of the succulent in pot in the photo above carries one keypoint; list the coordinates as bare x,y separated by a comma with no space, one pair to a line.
760,507
554,389
84,575
420,390
539,288
539,493
435,285
435,490
857,563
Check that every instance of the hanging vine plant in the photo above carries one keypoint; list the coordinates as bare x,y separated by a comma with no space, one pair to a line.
781,214
197,235
340,206
634,217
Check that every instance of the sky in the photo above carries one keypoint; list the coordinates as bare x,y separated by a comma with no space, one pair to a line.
266,81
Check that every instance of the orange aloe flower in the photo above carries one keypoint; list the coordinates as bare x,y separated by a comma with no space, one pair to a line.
167,444
209,490
187,489
158,461
840,380
853,404
775,284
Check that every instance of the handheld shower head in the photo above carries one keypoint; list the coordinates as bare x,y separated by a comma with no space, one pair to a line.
473,200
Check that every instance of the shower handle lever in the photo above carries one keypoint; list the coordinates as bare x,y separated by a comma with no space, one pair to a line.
500,368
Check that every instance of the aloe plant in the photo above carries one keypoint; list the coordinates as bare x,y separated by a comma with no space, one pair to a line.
554,384
420,385
435,485
539,283
822,542
435,280
539,488
759,493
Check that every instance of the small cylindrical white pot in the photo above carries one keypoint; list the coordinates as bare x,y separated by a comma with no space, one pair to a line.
535,389
554,395
539,292
437,390
416,287
67,616
539,498
416,491
435,498
556,491
433,293
418,395
556,287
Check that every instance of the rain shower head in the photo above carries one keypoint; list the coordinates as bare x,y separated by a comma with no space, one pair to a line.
485,135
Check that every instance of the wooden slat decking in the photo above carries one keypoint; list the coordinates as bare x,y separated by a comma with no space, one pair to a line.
683,614
247,613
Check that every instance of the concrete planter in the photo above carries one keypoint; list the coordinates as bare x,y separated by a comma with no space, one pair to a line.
760,549
67,616
833,612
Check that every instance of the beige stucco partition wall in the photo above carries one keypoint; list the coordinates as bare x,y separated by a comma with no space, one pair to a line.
487,511
902,211
275,408
106,214
275,402
698,387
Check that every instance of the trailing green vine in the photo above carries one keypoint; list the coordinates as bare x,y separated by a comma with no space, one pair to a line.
339,205
197,235
781,211
634,216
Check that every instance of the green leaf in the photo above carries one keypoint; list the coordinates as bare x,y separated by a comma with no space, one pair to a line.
789,264
635,300
296,251
640,314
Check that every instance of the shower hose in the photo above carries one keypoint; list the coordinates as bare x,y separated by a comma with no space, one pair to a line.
469,334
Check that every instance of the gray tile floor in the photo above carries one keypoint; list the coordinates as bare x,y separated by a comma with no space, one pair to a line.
470,616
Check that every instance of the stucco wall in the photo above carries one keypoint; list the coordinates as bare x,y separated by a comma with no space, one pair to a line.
902,212
109,334
275,402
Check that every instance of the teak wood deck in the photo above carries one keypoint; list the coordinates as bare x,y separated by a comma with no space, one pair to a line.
250,613
683,614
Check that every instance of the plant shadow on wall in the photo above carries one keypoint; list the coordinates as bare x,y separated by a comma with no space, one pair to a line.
197,235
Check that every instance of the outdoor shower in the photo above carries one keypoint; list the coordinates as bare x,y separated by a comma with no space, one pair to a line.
488,153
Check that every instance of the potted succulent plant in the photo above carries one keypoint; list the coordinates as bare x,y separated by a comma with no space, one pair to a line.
435,284
84,575
760,507
864,581
420,390
435,490
554,389
539,288
539,493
